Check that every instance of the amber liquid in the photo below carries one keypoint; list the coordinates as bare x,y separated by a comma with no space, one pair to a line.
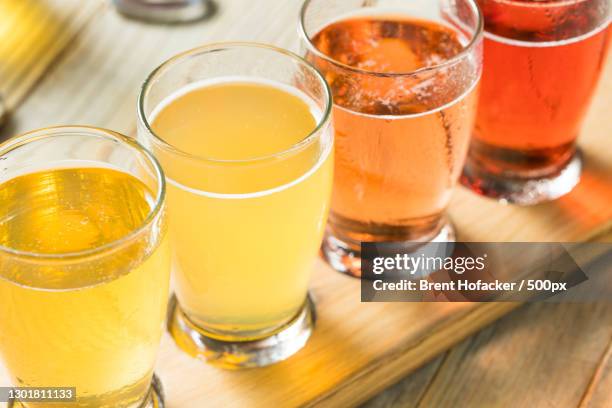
401,140
542,64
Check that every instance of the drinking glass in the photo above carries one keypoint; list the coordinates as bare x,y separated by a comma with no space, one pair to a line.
243,133
84,266
542,64
404,75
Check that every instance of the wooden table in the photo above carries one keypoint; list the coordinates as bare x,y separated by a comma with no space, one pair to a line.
78,62
542,355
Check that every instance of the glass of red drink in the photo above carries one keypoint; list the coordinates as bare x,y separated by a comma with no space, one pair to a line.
404,75
542,63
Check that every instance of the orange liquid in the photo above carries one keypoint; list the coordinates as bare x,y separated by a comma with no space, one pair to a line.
542,64
398,155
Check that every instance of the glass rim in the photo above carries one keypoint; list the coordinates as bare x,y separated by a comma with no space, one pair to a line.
322,122
478,34
89,131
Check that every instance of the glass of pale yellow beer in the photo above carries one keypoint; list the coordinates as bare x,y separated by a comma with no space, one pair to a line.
243,133
84,267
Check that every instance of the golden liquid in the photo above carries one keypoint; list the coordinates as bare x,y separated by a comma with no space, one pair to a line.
245,235
93,323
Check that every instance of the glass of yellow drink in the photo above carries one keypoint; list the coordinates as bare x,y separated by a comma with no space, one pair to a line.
244,136
84,266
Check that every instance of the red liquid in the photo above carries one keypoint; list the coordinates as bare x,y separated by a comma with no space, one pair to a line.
542,64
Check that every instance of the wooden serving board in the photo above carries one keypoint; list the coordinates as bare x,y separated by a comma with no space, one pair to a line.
93,77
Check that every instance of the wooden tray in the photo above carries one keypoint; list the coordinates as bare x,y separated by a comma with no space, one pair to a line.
92,77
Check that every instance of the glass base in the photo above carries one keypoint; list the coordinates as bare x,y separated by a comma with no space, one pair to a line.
154,399
166,12
344,255
523,191
284,343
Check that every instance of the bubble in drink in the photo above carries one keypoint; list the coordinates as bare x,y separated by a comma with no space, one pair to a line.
402,130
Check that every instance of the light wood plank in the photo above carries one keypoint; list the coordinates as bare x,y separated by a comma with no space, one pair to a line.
409,391
542,355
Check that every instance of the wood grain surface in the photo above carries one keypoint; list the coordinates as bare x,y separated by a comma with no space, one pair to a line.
92,74
543,355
